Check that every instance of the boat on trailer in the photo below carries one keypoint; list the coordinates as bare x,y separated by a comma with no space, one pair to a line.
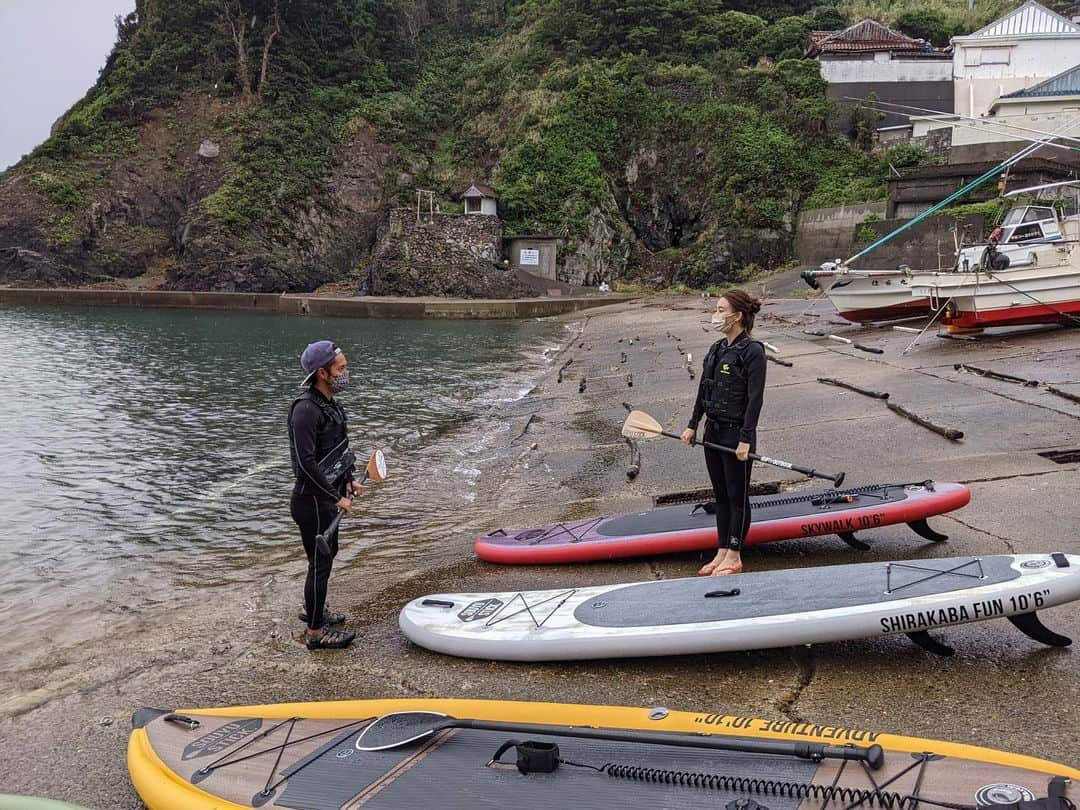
976,292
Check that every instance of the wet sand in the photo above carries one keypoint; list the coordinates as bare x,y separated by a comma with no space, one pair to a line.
66,725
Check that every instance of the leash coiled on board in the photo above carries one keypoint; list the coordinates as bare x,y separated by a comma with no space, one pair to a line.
761,787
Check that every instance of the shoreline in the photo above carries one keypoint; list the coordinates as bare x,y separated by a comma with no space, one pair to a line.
428,307
230,655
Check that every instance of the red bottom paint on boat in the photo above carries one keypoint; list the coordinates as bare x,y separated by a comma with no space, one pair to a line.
912,309
1013,316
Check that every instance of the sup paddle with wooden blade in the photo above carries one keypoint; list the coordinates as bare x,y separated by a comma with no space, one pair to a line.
639,425
376,471
401,728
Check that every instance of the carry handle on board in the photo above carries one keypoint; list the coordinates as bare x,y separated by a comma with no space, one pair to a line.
639,425
401,728
376,471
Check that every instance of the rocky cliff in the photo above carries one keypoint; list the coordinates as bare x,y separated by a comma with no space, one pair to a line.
259,145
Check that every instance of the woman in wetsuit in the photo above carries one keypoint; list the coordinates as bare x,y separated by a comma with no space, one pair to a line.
730,395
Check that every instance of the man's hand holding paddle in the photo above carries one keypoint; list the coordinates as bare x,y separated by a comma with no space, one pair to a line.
374,471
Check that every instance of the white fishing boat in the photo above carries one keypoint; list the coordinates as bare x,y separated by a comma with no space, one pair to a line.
868,295
1026,268
1027,272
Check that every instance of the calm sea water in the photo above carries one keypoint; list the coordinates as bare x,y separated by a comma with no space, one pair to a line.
144,454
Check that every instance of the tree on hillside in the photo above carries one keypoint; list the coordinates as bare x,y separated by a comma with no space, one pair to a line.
784,39
734,29
243,20
827,18
928,24
771,10
613,28
864,123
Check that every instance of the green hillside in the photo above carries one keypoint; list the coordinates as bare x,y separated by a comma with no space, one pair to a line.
668,140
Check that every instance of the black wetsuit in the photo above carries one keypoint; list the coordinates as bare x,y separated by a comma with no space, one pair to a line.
730,395
317,429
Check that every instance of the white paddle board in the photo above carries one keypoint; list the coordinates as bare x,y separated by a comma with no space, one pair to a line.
748,611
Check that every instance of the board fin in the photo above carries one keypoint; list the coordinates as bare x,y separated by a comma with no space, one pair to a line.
931,644
1030,626
854,542
922,528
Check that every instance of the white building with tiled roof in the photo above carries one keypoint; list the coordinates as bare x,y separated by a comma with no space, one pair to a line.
869,57
1026,46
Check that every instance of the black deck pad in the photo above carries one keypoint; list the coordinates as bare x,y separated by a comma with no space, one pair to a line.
458,767
337,772
762,508
779,593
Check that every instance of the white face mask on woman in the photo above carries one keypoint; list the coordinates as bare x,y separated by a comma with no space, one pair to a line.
721,323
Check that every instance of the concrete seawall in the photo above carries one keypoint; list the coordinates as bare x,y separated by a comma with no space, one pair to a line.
368,307
825,234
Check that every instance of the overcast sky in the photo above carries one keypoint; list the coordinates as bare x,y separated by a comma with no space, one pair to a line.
50,55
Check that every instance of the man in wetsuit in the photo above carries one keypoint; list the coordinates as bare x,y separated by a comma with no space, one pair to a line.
318,438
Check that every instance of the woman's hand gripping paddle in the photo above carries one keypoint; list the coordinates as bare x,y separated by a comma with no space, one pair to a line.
639,425
376,471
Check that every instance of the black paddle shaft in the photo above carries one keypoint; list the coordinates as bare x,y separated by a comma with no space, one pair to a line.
874,756
320,539
776,462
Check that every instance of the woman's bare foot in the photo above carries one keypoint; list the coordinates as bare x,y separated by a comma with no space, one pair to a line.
711,566
731,564
725,570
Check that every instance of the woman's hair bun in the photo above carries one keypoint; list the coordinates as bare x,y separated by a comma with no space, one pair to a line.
744,303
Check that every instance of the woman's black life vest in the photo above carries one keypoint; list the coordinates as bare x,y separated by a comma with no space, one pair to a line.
724,393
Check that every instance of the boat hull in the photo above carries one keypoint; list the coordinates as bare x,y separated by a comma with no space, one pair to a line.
875,298
1045,292
890,312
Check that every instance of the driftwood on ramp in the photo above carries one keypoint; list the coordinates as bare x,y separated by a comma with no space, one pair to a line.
866,392
949,433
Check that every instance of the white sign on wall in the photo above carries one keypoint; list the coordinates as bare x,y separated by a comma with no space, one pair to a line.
530,256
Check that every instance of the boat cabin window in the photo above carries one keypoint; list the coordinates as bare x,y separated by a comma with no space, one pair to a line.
1014,217
1037,214
1030,222
1024,232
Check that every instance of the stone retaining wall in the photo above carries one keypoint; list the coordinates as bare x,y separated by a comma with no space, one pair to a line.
440,254
825,234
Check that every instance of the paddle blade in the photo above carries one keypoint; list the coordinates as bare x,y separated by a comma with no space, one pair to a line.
399,728
376,466
639,425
